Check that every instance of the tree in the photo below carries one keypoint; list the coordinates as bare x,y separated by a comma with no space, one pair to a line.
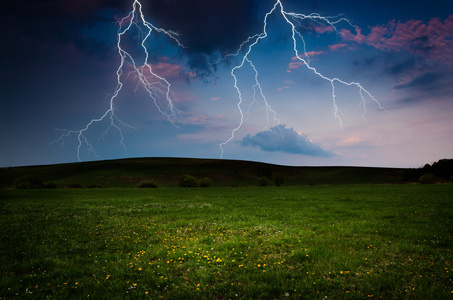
263,181
188,181
279,178
205,182
147,184
28,182
427,178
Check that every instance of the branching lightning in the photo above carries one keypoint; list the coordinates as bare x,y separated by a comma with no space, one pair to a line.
292,19
157,87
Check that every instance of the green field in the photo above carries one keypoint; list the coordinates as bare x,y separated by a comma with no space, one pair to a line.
313,242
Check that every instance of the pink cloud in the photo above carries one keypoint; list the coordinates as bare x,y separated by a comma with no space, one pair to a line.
337,46
309,54
434,40
351,140
323,29
166,70
171,71
191,118
298,62
295,64
283,88
215,98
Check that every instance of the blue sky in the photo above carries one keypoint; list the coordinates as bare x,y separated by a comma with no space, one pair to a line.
60,64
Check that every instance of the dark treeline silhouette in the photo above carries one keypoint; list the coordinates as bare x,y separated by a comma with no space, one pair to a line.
441,170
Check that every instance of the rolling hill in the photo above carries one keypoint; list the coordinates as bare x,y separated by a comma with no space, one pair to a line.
166,172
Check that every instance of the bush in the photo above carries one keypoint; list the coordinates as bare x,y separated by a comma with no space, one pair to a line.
263,181
205,182
427,178
279,179
74,186
94,186
49,185
28,182
147,184
188,181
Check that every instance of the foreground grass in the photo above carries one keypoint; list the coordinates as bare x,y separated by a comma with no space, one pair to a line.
336,242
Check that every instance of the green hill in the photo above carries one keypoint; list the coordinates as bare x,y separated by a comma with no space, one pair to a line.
166,172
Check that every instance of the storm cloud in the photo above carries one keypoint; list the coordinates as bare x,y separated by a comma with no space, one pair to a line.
282,139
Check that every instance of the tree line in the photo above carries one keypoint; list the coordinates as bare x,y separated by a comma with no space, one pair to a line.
440,171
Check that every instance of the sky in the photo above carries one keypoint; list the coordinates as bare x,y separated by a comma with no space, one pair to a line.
303,83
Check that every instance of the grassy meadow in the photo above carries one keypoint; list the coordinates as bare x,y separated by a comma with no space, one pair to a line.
310,242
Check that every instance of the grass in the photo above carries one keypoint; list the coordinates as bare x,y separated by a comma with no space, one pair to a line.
319,242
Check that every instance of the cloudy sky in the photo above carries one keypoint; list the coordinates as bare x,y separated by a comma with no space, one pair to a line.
364,83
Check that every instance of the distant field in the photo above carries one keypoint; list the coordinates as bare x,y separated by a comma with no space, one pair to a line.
313,242
166,172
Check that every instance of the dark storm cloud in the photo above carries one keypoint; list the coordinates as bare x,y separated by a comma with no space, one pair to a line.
430,86
282,139
41,29
401,67
427,80
209,29
423,81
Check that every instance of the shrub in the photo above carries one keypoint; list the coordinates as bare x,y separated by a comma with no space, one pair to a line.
94,186
188,181
205,182
263,181
49,185
28,182
74,186
279,179
427,178
147,184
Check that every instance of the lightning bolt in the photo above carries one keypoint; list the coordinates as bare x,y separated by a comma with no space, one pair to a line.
292,19
157,87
